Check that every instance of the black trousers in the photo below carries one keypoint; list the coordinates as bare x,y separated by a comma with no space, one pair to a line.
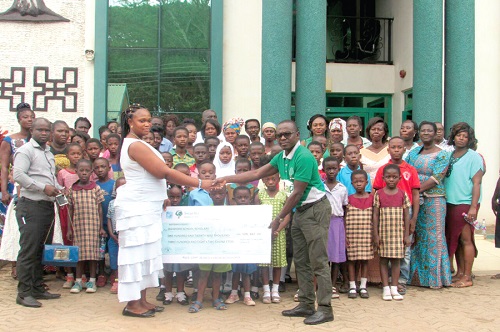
34,219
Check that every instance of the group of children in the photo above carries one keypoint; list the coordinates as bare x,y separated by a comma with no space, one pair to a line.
90,183
268,193
363,222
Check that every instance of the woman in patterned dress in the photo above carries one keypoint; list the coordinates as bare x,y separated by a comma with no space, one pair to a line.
9,145
430,264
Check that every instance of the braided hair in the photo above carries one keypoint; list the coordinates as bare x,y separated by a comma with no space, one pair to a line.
124,117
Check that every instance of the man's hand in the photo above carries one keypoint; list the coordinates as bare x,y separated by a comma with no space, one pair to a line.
217,184
103,233
69,235
51,191
274,224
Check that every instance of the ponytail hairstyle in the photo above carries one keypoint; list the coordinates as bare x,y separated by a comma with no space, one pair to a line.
124,117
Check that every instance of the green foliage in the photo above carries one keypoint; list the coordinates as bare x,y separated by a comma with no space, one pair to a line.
161,49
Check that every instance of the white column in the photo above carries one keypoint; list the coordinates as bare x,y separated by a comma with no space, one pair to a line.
487,108
242,59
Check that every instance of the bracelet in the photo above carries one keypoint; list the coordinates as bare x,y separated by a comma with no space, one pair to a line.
199,183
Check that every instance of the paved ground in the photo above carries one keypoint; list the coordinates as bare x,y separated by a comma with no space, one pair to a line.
467,309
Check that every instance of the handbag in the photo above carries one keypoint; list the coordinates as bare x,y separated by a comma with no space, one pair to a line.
60,254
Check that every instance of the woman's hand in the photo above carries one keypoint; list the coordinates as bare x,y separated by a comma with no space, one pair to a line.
472,214
69,235
6,198
103,233
166,203
407,241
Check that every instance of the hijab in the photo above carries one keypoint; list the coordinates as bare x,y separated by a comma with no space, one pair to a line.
222,169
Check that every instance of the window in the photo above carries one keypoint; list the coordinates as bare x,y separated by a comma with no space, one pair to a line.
161,50
408,110
366,106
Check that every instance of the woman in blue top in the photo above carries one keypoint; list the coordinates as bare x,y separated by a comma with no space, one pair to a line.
463,195
429,263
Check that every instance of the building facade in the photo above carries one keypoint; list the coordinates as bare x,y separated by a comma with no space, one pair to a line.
267,59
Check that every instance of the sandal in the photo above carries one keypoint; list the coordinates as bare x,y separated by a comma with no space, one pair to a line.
461,284
343,289
363,293
275,297
195,307
496,276
181,298
266,298
352,293
335,295
168,298
397,296
219,305
457,277
402,289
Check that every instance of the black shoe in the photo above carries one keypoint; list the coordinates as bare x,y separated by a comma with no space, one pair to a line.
47,296
299,311
288,279
159,309
28,301
282,287
147,314
254,295
319,317
161,294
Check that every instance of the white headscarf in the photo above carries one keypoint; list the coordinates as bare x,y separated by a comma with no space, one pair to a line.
222,169
339,123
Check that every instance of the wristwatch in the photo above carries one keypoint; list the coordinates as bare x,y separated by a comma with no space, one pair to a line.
281,220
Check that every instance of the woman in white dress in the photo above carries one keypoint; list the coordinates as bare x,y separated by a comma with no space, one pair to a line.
138,209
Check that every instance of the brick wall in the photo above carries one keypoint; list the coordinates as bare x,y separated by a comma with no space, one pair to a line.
50,49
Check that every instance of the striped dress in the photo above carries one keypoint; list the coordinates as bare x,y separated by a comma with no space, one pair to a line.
358,228
85,202
391,225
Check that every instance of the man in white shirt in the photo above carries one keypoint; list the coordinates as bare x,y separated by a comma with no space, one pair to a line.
439,139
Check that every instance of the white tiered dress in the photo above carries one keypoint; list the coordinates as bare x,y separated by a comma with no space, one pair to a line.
138,209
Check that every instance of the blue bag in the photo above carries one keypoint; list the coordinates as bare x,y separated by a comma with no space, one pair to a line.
60,255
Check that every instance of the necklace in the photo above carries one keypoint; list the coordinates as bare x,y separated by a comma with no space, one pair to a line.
131,133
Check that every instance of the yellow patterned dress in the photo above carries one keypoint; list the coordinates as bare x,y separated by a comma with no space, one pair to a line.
278,249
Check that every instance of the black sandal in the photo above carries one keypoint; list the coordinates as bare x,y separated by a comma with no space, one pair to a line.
364,295
352,295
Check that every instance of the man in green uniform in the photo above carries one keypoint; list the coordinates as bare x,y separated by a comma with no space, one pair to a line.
310,224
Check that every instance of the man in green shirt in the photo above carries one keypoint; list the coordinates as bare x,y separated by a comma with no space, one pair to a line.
310,222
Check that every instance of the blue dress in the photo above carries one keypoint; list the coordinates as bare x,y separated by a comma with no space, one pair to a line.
429,263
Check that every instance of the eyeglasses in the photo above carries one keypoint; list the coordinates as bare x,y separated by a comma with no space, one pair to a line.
286,135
